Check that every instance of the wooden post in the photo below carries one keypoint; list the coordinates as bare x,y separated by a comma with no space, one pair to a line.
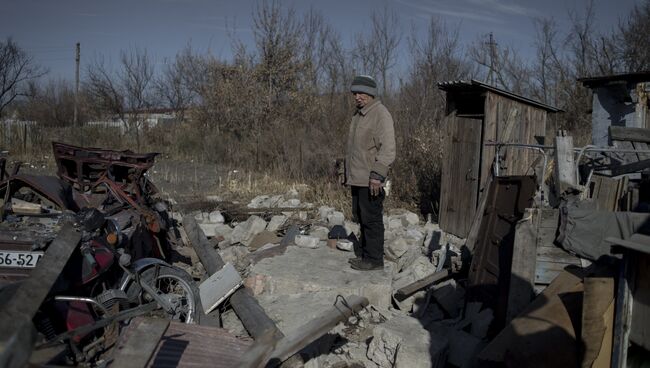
565,166
524,253
251,314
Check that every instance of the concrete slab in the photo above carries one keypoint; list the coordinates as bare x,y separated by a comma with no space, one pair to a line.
303,270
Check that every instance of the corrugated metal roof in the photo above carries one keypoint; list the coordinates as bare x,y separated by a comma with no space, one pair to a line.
464,85
185,345
642,76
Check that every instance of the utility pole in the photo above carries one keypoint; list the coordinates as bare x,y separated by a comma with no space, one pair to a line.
75,119
492,44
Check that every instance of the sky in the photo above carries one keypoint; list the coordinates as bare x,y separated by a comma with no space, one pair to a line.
49,29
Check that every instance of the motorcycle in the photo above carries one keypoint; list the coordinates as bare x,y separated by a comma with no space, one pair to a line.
102,288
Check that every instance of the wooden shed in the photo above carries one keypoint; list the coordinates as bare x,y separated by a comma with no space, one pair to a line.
619,100
476,114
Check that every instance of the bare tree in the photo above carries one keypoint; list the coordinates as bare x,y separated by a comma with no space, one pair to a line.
635,38
377,52
126,93
17,68
172,86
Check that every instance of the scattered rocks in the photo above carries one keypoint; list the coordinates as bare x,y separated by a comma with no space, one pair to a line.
319,232
245,231
276,222
306,241
352,228
403,342
335,218
216,217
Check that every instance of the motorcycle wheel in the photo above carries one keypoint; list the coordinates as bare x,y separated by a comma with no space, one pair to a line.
177,287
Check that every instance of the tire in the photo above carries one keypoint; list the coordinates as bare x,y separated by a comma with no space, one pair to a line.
176,285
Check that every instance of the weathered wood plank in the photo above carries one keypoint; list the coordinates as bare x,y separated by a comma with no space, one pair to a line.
424,282
618,133
565,169
16,316
31,293
522,278
460,175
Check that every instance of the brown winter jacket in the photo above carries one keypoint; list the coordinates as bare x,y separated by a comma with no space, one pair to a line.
371,144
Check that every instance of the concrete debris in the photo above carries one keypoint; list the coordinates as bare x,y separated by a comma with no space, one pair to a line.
352,228
319,232
263,238
449,297
276,222
345,245
289,200
306,241
324,211
410,219
403,342
302,271
236,255
335,218
396,248
216,217
246,231
463,347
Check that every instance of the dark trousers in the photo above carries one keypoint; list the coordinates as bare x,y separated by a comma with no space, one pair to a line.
369,213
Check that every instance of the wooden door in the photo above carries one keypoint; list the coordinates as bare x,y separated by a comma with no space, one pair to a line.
460,174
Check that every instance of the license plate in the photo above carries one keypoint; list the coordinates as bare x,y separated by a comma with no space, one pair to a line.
17,259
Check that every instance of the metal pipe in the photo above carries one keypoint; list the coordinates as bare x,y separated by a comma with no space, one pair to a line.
535,147
64,298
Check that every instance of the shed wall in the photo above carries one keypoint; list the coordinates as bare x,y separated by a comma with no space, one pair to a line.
510,121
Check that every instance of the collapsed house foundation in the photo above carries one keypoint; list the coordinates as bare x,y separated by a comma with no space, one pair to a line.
539,259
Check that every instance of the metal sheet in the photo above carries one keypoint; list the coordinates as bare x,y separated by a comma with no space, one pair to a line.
185,345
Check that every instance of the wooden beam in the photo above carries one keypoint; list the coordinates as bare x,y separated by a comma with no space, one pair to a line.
249,311
424,282
16,315
259,356
565,169
522,272
630,168
618,133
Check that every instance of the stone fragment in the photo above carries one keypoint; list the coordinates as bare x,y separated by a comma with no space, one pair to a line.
319,232
450,297
201,216
275,222
402,342
414,237
245,231
409,219
335,218
352,228
216,217
345,245
263,238
236,255
233,324
303,271
324,211
396,248
208,229
395,223
306,241
432,240
290,203
223,230
259,202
